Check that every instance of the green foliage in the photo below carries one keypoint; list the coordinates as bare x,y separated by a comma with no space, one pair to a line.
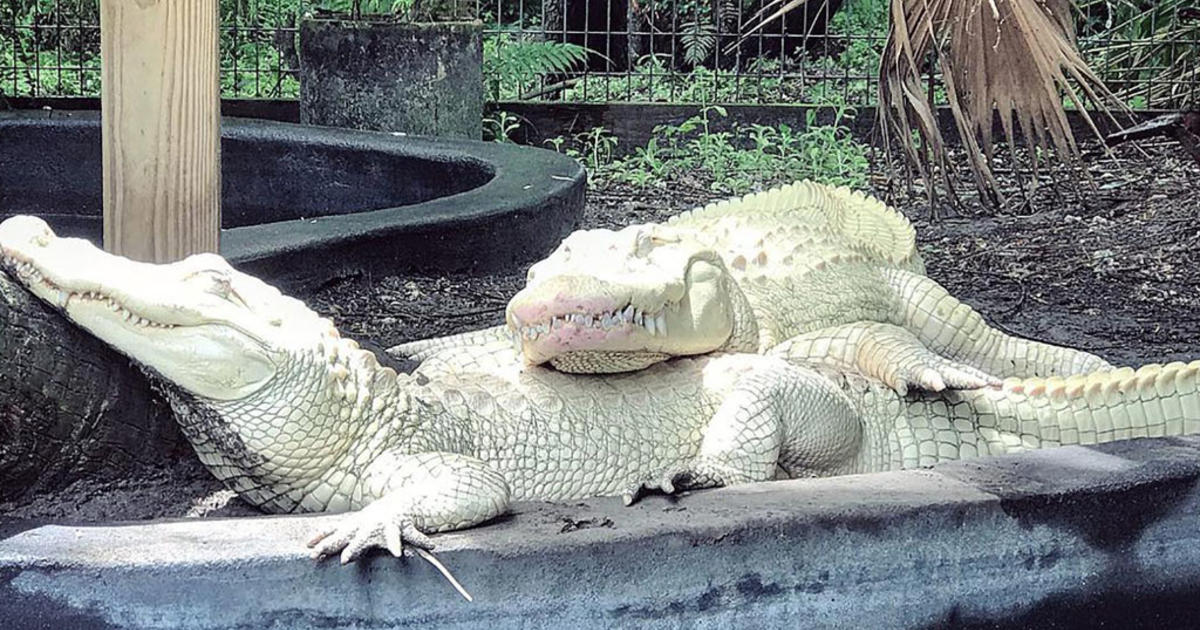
512,65
732,159
258,48
500,126
37,58
258,56
699,39
856,34
594,149
1145,49
402,10
365,7
652,81
859,27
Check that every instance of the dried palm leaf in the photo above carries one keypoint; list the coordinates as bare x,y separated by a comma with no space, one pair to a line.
1016,58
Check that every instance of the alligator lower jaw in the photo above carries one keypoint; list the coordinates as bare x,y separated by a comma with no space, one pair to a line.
28,274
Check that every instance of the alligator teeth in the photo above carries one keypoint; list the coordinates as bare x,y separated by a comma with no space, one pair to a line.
654,323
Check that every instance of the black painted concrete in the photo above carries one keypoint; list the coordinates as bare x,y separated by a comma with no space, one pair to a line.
301,205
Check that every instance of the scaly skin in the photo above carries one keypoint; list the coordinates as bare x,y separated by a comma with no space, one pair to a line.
744,275
295,418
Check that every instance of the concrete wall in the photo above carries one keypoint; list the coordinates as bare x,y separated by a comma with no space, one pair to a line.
1060,538
424,79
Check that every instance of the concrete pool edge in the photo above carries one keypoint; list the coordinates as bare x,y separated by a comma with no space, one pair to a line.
1064,536
506,206
533,200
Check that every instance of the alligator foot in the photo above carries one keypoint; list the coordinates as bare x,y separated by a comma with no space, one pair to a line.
887,352
375,526
380,527
666,482
934,373
698,473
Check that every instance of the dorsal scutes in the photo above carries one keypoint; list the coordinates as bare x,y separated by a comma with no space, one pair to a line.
1147,382
863,222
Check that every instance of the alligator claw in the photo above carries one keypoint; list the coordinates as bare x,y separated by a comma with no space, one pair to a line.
377,527
669,481
935,374
367,529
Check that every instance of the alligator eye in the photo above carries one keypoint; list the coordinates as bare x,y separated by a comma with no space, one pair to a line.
643,245
218,283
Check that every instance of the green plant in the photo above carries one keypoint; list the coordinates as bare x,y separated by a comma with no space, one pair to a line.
596,149
403,10
37,57
511,65
1146,49
500,126
257,55
593,149
727,158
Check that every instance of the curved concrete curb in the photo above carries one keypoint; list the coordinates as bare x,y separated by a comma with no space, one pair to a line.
1058,538
303,204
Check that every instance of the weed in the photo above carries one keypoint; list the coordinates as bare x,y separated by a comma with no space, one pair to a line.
732,159
500,126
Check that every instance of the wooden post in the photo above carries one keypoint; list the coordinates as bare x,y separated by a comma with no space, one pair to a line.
160,101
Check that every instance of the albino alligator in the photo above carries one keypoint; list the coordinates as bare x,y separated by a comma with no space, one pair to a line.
296,418
744,275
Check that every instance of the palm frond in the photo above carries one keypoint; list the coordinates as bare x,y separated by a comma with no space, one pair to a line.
1014,60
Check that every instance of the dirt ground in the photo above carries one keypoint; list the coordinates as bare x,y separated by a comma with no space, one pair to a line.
1112,267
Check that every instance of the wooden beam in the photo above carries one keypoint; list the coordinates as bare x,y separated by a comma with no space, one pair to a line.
160,102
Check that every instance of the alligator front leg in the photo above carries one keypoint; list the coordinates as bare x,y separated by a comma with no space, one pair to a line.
956,331
882,351
411,495
776,416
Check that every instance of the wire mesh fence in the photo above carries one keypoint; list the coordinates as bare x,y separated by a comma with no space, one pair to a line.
680,51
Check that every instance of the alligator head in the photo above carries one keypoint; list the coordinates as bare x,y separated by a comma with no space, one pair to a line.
611,301
217,333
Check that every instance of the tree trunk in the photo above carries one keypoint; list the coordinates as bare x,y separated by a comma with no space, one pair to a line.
70,407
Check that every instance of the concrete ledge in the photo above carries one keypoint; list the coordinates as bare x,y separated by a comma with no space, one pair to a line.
1059,538
304,204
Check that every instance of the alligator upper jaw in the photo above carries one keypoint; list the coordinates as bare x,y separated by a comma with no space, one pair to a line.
64,299
89,285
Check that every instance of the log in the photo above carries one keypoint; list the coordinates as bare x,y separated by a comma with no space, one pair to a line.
70,406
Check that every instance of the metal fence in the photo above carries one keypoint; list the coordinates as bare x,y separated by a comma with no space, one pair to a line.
682,51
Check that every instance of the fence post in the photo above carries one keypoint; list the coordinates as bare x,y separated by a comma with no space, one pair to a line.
160,103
